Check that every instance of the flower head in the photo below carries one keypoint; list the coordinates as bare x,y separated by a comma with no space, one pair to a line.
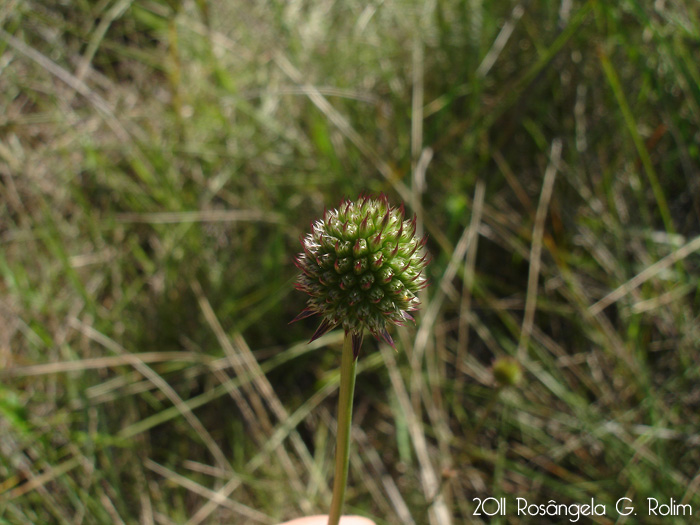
362,268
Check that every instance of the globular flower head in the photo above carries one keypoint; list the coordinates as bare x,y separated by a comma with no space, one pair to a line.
362,267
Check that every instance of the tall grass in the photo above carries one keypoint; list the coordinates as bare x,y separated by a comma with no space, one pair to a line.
158,163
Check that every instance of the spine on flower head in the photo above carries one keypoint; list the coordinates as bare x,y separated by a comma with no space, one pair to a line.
362,267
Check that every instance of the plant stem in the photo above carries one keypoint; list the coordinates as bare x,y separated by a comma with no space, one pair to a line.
342,448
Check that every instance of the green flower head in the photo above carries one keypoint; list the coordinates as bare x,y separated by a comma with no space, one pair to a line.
362,267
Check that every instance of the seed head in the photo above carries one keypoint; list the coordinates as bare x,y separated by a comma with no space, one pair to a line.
362,268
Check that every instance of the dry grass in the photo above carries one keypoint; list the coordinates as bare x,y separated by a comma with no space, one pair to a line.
158,162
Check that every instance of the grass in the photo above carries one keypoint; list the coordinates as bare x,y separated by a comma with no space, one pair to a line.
158,163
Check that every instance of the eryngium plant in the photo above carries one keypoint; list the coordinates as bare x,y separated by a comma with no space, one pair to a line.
362,267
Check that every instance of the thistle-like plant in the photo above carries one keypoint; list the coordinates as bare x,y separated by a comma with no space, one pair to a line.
362,267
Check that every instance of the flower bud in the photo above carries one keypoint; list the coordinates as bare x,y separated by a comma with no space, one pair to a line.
362,268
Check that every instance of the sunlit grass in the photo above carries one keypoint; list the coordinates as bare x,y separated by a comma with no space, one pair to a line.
159,162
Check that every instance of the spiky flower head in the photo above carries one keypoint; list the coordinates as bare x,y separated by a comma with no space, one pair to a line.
362,268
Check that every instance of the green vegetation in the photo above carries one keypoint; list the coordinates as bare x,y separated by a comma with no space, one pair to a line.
159,161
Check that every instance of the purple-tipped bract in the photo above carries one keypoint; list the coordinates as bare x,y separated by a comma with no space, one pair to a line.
362,267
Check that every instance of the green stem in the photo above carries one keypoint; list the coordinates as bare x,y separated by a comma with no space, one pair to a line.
342,448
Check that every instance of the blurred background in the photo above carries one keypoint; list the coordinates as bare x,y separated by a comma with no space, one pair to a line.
159,161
